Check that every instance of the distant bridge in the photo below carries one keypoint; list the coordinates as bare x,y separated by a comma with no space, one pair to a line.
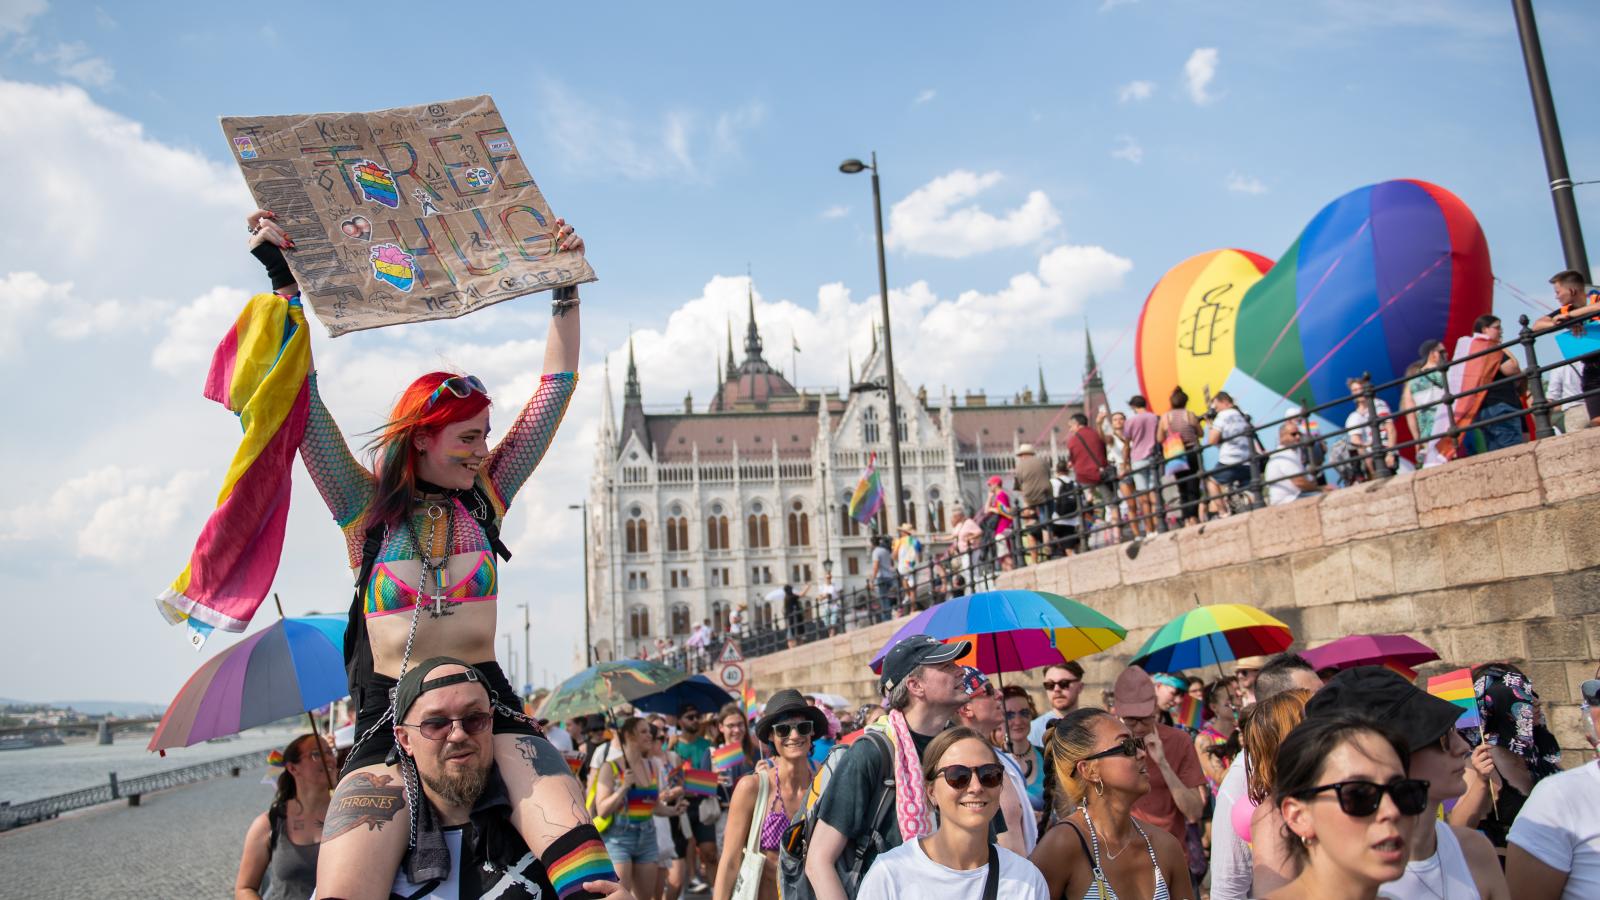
101,727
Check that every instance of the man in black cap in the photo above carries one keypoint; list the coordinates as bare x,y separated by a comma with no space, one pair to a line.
462,842
1446,860
858,815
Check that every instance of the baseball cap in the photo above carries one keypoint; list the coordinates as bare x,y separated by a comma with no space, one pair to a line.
414,683
917,650
1591,691
1134,694
1420,717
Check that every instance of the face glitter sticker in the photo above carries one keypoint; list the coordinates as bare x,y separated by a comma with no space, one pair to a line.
377,184
358,227
479,178
245,146
395,266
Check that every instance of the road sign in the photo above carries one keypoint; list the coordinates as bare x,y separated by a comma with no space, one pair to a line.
731,675
730,653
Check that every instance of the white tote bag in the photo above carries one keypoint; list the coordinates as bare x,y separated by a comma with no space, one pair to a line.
748,885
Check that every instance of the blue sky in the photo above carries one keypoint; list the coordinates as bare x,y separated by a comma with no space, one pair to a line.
1042,163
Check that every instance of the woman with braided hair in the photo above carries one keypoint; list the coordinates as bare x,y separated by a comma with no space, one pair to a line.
422,530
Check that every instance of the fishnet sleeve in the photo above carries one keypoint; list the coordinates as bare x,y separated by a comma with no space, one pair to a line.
346,485
519,452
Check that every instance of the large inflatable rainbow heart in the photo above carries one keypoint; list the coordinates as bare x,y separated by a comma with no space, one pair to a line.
1376,272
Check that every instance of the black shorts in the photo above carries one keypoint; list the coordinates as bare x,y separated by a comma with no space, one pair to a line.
372,701
703,833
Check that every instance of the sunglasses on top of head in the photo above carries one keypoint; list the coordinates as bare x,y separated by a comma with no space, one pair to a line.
957,776
1362,798
437,728
461,386
802,728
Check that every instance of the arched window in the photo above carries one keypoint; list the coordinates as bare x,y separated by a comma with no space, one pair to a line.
869,425
848,527
719,616
799,525
716,529
935,511
638,622
677,530
636,538
760,532
911,513
680,618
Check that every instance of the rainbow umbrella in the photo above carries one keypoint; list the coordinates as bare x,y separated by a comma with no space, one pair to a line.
1013,630
286,669
1212,635
607,685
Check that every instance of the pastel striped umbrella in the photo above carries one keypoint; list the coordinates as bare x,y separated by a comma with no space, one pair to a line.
605,686
286,669
1212,635
1013,630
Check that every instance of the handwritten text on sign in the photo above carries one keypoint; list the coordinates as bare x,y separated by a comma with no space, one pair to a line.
405,214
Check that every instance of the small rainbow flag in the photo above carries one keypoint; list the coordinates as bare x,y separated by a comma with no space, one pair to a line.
1190,712
1457,688
642,803
574,761
727,757
868,498
748,695
699,781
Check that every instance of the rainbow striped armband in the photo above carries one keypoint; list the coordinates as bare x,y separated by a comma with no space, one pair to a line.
574,858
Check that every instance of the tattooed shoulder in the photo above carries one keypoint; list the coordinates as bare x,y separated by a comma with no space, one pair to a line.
542,756
365,798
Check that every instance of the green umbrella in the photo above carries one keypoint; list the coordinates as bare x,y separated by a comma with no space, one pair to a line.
608,685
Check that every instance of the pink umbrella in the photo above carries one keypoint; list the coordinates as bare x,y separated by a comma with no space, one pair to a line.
1400,652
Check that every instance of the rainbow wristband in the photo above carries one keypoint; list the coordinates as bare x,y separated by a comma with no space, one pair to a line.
574,858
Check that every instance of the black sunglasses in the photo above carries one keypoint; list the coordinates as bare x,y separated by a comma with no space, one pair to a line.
801,728
1362,798
437,728
1128,746
989,775
1063,684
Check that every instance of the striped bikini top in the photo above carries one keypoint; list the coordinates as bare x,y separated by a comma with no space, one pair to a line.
388,594
1101,888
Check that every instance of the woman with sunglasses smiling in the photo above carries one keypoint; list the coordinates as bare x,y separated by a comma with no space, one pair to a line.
421,527
1348,808
767,800
964,778
1099,770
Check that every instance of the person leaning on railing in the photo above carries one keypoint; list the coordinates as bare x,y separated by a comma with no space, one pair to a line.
1578,305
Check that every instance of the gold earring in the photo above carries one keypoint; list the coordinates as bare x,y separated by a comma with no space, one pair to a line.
1099,788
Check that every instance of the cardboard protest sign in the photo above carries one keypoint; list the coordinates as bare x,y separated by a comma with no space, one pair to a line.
406,214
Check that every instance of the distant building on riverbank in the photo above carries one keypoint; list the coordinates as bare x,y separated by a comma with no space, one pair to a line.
693,513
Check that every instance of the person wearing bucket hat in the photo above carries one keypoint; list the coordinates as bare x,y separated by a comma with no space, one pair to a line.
765,802
1446,860
924,687
787,704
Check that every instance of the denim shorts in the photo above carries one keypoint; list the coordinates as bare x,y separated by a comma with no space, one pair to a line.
1143,474
631,842
1231,476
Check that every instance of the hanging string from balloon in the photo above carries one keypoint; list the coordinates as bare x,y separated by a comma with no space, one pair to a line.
1326,273
1519,295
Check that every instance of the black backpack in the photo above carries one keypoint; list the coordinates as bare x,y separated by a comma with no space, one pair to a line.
1065,503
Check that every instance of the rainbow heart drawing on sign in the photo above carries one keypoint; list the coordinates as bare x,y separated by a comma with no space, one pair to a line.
377,184
479,178
397,267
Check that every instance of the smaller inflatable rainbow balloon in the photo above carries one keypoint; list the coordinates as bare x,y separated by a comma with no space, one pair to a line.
1376,272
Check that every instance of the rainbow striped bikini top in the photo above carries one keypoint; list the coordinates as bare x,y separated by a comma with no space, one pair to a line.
388,594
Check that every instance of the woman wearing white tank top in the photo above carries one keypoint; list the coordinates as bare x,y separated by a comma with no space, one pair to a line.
1447,862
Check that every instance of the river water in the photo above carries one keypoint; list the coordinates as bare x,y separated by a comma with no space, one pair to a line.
44,771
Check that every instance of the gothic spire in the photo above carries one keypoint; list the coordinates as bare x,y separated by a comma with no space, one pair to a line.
1044,395
851,362
733,367
630,390
752,337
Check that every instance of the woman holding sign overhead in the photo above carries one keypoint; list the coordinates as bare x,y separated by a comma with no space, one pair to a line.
766,801
421,528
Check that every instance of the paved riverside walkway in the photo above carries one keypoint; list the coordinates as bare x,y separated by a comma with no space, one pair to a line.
179,844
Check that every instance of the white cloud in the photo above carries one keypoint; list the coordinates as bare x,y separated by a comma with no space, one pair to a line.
23,295
1128,149
16,16
110,513
926,96
1136,91
27,297
836,211
601,141
1245,184
924,222
1199,72
76,61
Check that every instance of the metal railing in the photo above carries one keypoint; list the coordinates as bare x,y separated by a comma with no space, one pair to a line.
13,815
1043,531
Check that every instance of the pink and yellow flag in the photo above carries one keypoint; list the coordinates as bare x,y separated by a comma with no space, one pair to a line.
260,372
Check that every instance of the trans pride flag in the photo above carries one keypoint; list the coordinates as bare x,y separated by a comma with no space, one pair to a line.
260,372
868,498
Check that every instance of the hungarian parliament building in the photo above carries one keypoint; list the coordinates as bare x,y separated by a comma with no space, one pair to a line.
693,514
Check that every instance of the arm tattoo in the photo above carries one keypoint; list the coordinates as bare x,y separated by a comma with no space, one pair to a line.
363,799
542,756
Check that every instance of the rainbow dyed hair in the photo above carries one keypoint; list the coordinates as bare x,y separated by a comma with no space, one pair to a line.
394,450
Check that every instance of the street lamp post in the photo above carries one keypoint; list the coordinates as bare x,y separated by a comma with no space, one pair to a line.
1555,155
527,660
588,642
851,167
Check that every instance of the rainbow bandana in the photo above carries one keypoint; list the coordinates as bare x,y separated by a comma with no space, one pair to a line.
260,372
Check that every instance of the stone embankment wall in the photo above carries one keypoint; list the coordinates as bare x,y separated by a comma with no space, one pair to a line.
1495,557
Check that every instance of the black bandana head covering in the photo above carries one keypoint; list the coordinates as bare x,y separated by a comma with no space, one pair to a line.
1510,719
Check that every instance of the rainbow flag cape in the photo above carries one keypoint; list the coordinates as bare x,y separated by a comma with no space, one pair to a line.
1457,688
259,372
699,781
868,498
726,757
1190,712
